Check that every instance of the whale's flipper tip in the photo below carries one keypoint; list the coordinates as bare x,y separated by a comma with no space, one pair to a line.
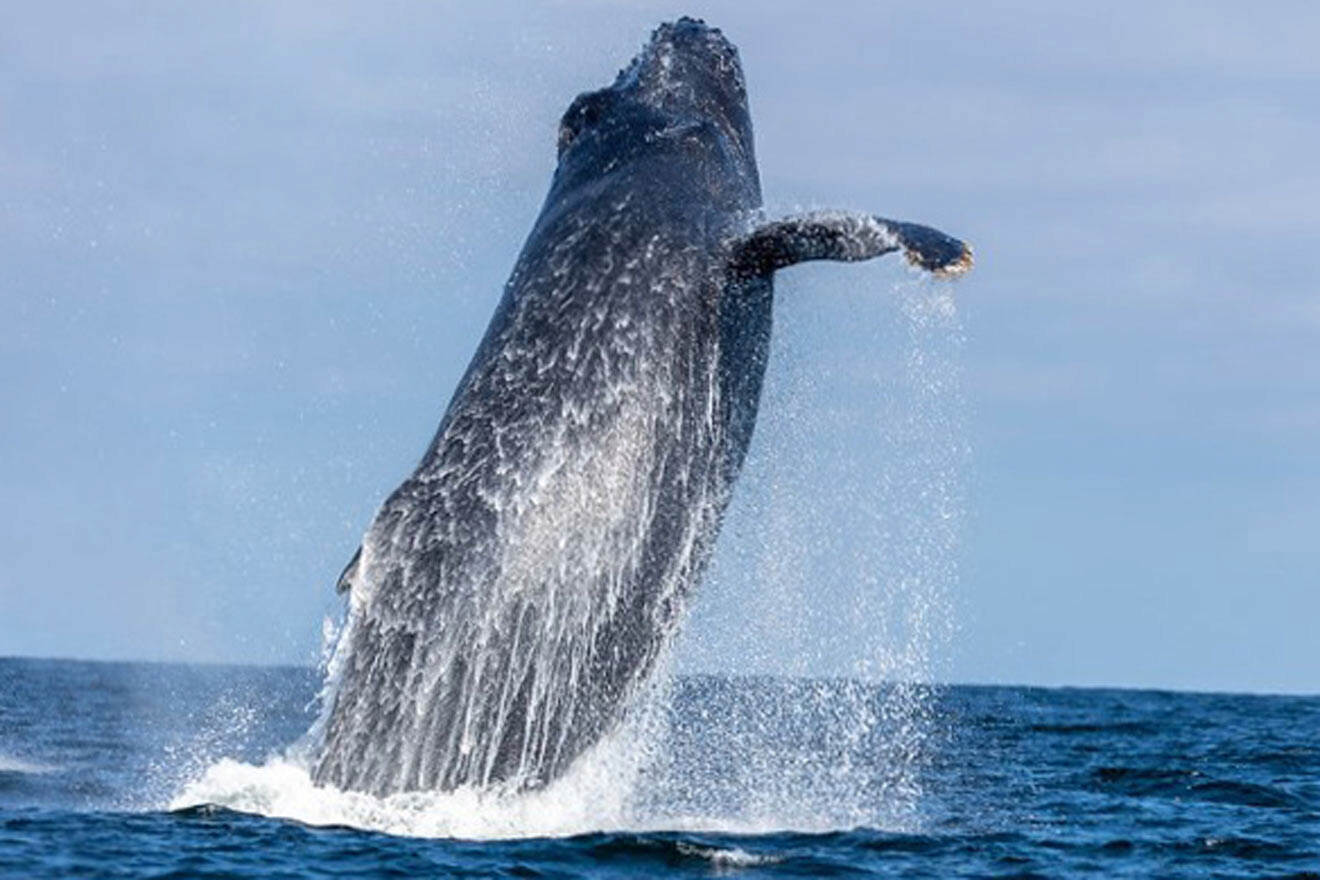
954,268
942,255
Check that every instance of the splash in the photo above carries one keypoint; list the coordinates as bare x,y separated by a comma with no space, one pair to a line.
842,548
594,795
838,566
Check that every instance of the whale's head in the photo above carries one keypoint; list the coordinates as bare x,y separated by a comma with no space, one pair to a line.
686,83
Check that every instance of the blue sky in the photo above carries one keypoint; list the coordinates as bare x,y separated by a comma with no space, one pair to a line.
248,251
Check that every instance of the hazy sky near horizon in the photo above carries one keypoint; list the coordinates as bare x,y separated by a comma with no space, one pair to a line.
249,249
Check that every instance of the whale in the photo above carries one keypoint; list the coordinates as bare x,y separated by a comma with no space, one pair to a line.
514,596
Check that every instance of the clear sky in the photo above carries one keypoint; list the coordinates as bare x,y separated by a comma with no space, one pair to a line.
247,250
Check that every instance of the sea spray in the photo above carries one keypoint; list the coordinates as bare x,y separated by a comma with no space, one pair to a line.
840,554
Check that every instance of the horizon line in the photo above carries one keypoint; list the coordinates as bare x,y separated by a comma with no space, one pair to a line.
254,665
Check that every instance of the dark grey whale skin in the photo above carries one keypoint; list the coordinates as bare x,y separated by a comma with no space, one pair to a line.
516,591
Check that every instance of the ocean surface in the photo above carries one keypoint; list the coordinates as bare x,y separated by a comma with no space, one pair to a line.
147,770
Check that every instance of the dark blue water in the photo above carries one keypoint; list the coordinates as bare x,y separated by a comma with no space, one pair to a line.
1003,782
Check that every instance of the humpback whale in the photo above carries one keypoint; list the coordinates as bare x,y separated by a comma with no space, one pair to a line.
518,589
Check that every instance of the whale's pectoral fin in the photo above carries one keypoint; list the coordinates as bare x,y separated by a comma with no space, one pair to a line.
346,577
844,235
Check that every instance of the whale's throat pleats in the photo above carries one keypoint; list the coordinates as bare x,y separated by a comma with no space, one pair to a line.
517,589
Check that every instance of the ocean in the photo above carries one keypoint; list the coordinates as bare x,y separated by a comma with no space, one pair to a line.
120,770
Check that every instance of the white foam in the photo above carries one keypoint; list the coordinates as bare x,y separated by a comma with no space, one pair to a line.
578,804
282,789
592,796
732,857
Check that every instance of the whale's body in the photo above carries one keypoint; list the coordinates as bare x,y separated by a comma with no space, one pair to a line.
513,593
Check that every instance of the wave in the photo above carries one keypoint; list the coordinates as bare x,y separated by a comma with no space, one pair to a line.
1192,784
13,764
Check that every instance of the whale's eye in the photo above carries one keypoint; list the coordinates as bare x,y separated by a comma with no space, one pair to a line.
584,113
